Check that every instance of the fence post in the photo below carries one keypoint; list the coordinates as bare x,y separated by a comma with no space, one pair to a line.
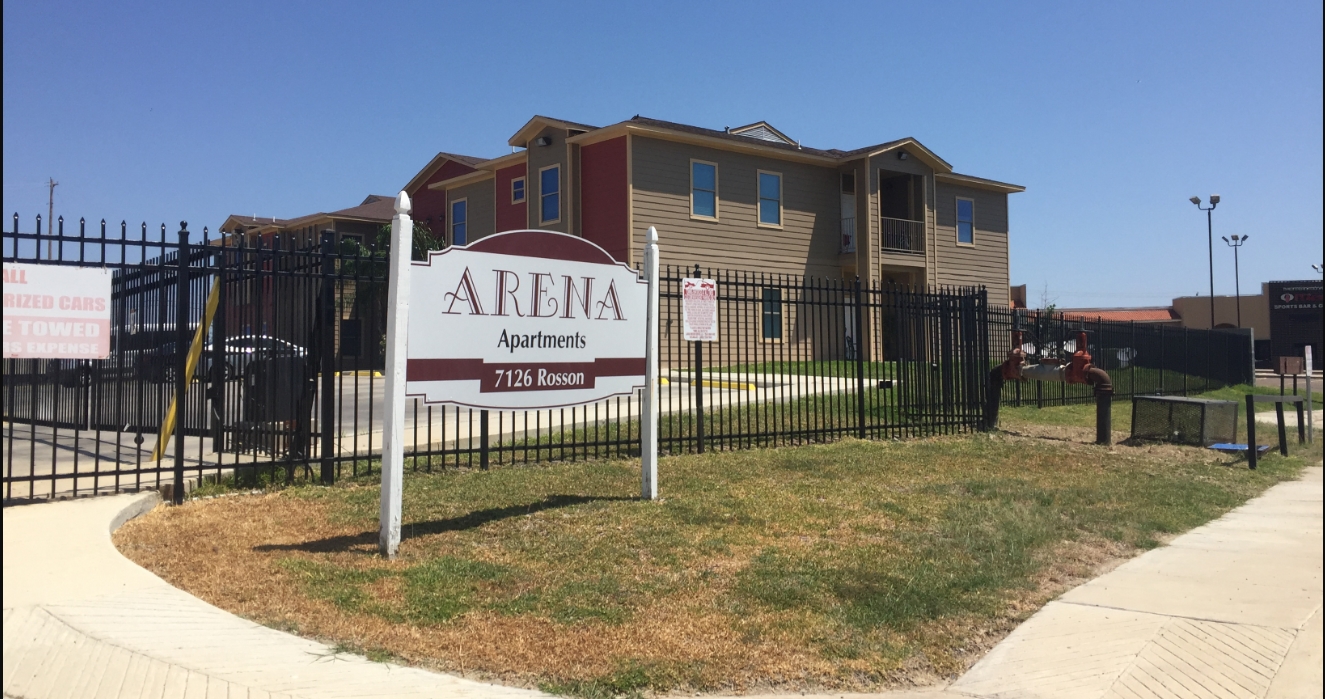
181,357
1186,359
699,388
1251,431
860,364
328,316
483,448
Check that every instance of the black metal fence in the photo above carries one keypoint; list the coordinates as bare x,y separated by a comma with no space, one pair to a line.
289,383
1142,359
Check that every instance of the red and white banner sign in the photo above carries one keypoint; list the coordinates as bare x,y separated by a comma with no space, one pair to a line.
699,309
56,312
524,319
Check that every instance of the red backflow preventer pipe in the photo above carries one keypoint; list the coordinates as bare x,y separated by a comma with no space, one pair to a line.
1078,370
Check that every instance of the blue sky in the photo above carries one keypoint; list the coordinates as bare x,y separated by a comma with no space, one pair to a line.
1111,114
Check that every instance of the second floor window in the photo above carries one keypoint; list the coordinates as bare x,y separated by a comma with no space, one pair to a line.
517,190
459,222
703,189
549,193
966,221
770,198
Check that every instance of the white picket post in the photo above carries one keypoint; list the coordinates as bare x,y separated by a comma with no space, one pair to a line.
393,427
649,423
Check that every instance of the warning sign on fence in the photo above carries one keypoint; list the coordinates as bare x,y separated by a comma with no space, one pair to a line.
55,312
699,309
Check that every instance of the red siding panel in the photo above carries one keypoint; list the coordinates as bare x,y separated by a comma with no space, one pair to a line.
511,217
604,197
430,204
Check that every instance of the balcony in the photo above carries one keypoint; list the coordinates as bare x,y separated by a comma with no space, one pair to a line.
901,235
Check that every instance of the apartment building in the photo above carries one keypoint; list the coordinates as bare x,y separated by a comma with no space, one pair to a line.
745,198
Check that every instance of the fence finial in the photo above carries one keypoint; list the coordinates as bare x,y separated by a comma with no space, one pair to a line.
402,203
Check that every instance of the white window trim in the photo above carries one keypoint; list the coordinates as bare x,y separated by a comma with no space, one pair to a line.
759,199
717,198
957,221
450,219
782,316
525,180
560,204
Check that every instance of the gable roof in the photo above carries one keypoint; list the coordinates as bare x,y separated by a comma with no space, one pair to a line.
376,207
538,123
438,161
251,221
763,131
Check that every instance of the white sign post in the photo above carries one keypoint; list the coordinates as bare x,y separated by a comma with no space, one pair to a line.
56,312
393,427
649,411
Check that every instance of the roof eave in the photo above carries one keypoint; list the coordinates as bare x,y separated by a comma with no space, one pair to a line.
981,183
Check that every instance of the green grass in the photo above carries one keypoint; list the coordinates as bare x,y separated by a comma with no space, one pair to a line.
1083,415
860,556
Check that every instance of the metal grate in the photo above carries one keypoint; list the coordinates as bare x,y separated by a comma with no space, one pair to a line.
1195,421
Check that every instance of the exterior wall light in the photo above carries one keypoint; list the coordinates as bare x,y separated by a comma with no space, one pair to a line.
902,155
543,141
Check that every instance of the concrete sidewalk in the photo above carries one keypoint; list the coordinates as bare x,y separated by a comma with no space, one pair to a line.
1231,609
80,620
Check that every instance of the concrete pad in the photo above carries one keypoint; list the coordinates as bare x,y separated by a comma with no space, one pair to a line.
1300,676
1053,655
54,559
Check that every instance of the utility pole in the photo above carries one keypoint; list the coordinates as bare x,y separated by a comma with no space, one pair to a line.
50,217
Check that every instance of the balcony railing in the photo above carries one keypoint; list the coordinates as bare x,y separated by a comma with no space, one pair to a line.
848,235
901,235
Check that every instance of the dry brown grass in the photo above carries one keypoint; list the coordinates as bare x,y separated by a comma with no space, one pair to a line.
685,617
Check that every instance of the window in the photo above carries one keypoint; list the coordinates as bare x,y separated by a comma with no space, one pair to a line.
517,190
772,314
966,222
459,221
703,189
770,199
352,245
848,183
549,193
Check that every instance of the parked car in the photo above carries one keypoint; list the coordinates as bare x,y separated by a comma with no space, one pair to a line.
238,353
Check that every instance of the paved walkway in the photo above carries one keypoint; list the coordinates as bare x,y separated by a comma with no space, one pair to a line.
1231,609
80,620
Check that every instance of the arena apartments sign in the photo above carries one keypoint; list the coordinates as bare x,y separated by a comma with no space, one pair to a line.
517,320
522,320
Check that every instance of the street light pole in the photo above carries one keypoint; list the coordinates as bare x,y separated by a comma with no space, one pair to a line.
1237,275
1210,244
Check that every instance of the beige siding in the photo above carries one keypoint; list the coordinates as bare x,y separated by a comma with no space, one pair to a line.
539,158
985,262
482,215
807,243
